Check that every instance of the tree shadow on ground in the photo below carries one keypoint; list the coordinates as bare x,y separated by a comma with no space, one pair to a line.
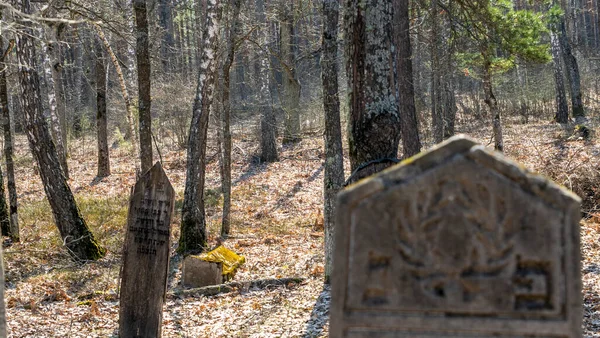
254,168
297,187
319,316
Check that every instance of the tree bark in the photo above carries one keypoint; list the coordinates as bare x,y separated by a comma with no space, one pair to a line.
53,68
562,110
333,178
144,100
572,75
226,117
437,114
165,19
492,104
291,85
76,236
405,91
8,143
268,127
101,118
129,108
193,220
374,130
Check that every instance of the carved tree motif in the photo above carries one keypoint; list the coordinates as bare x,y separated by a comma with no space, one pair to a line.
456,231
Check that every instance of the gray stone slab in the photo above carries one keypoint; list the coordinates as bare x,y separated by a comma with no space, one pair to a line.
458,241
197,273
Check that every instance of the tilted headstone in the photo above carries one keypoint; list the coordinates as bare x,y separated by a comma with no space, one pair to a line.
456,242
146,255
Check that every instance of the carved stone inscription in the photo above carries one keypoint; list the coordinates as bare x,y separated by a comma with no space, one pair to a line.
146,255
461,240
458,243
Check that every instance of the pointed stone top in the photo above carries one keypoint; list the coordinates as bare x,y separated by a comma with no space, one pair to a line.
461,146
157,176
456,241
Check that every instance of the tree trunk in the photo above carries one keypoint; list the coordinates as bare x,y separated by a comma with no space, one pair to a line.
447,82
8,143
437,114
78,81
101,119
76,236
405,91
374,122
492,103
5,225
268,127
144,101
165,20
56,91
333,179
193,220
572,75
130,109
562,110
291,86
226,117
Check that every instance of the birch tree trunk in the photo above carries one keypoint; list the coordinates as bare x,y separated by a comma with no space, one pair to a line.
226,116
333,178
144,99
52,69
76,236
53,66
405,91
193,220
8,143
374,130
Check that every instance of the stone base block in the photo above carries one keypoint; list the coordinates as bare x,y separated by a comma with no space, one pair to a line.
198,273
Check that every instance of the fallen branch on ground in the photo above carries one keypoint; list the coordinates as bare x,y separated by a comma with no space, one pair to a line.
212,290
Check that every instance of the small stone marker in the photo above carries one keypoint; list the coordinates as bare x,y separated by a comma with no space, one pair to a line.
197,272
146,255
457,242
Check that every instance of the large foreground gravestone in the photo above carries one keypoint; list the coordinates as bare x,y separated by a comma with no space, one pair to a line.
457,242
146,255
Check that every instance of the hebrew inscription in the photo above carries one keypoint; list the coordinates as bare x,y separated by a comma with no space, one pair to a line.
146,255
457,236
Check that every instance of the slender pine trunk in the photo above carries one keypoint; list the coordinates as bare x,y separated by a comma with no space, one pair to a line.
226,118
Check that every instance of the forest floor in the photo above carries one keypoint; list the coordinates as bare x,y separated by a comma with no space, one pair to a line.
276,225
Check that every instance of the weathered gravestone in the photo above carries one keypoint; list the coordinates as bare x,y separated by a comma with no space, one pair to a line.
198,273
146,255
456,242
